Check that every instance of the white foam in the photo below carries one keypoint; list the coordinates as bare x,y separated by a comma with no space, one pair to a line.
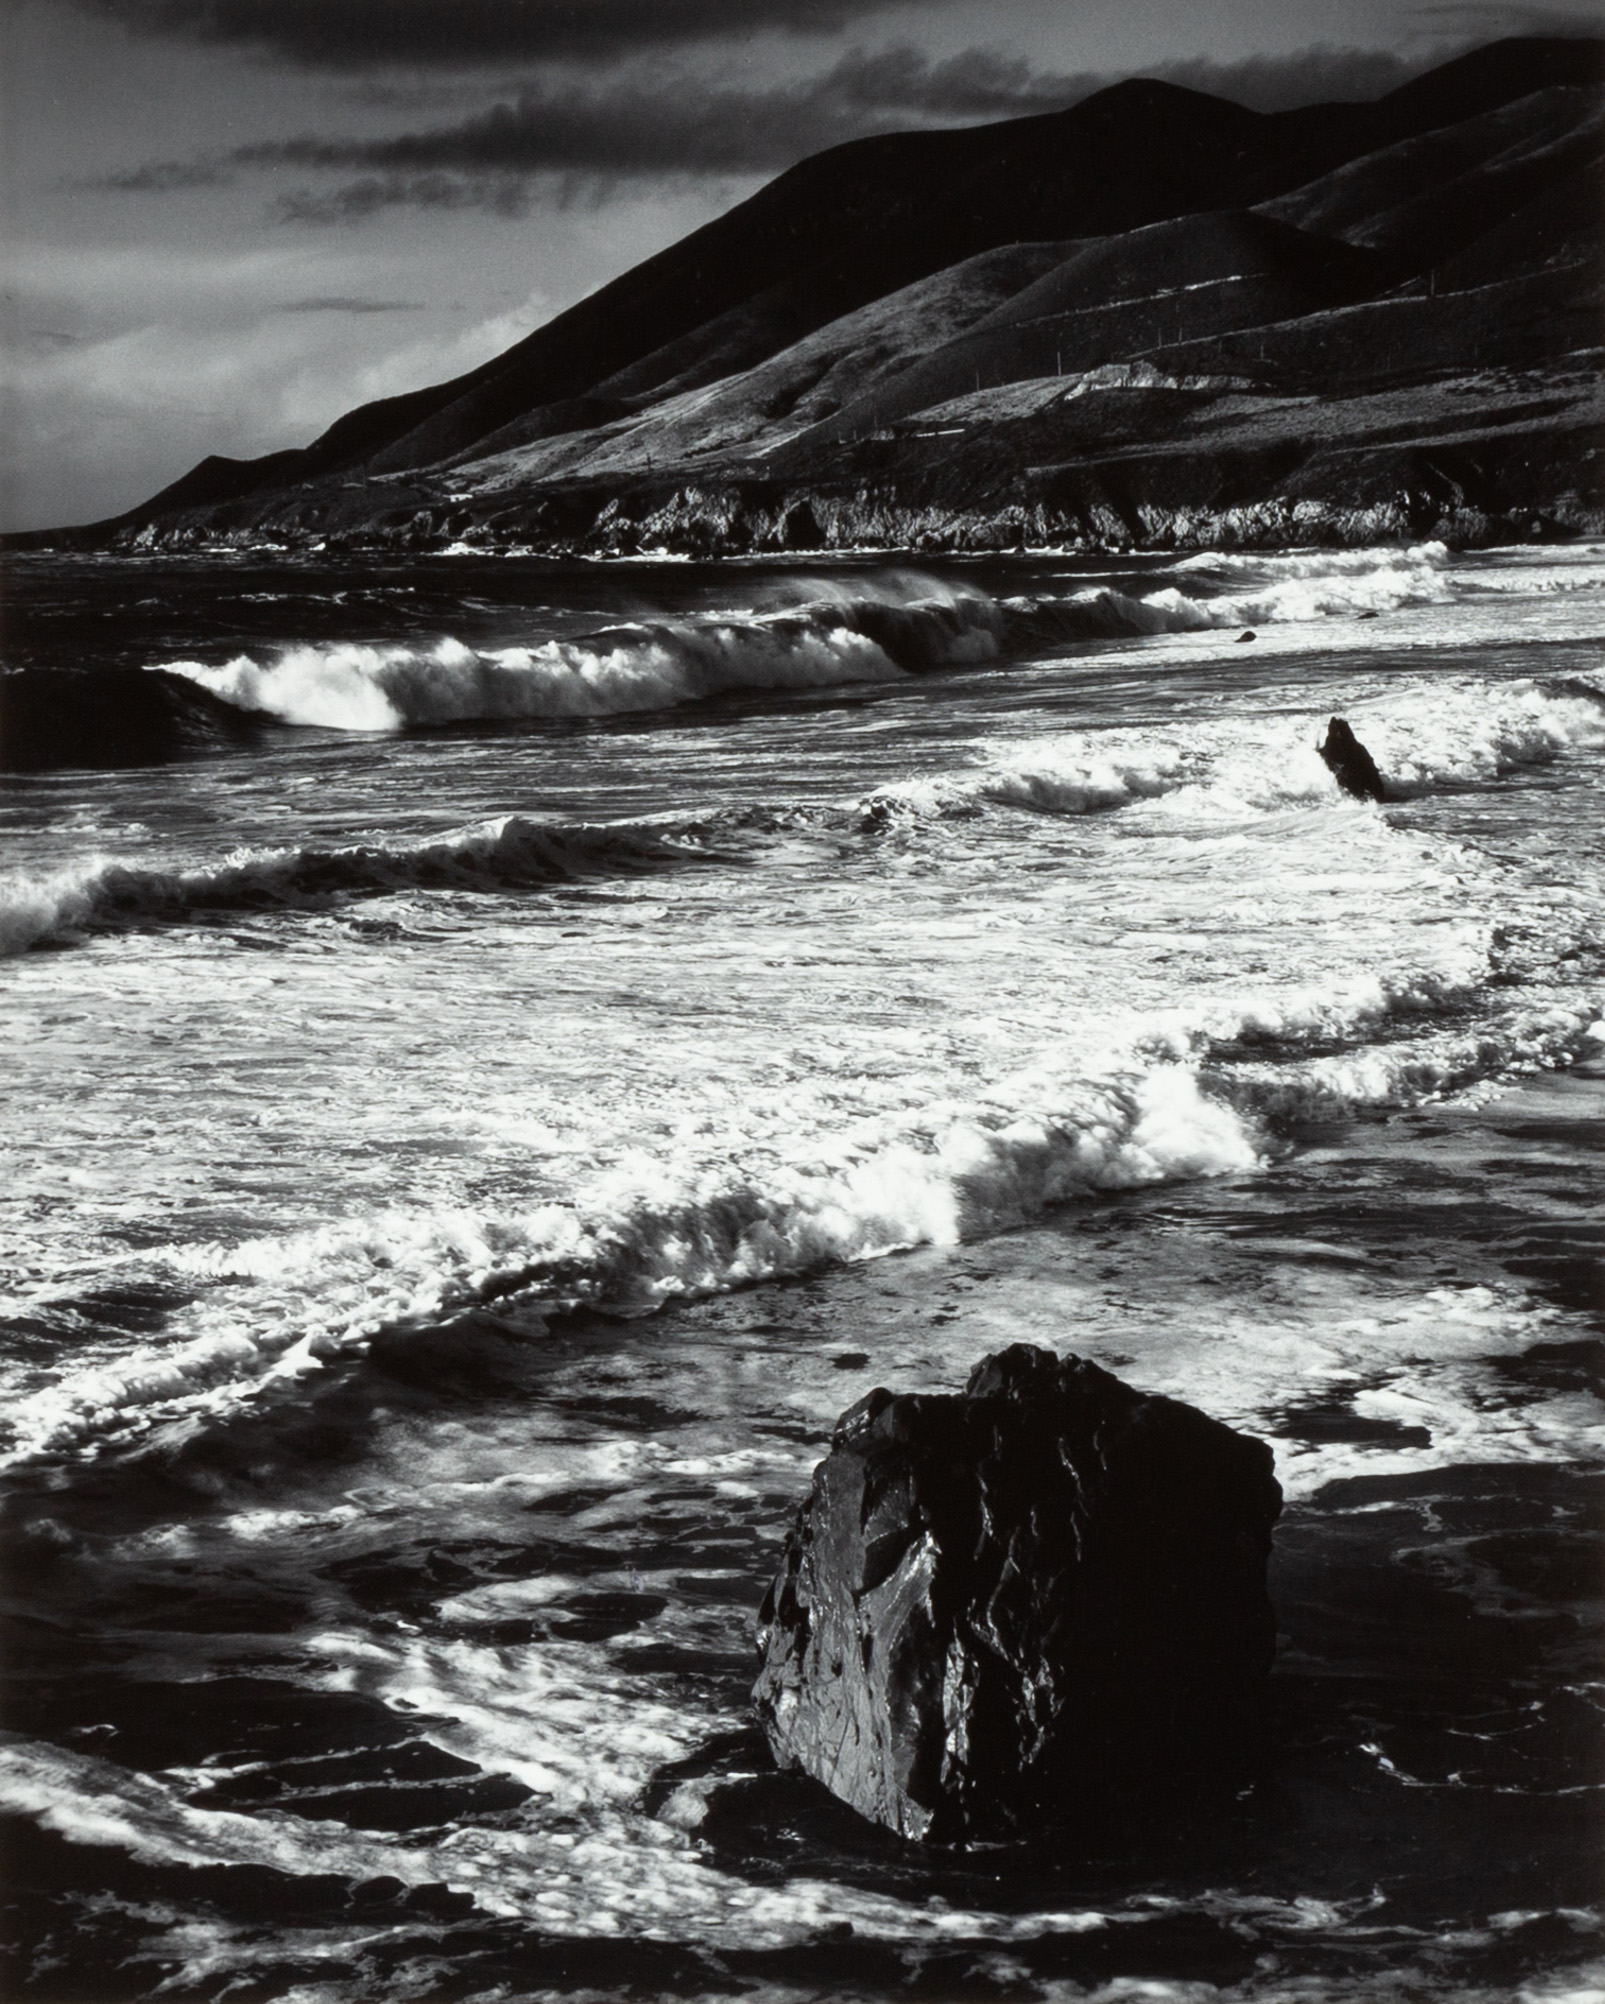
651,1230
1468,732
1075,775
584,1739
580,1858
35,907
1300,587
646,1234
1429,557
840,634
852,1047
1459,732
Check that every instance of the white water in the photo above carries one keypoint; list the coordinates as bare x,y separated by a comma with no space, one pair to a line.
538,1062
353,1036
843,636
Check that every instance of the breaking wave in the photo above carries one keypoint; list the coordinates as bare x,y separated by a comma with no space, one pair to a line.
1459,734
839,636
113,717
649,666
1244,592
513,853
1194,1095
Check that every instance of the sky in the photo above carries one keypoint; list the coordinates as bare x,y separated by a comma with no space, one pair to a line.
225,222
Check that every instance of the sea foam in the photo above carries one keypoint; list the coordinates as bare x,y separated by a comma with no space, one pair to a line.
840,634
511,853
1190,1099
1461,732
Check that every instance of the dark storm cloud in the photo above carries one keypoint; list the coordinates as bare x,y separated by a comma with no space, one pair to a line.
687,126
375,34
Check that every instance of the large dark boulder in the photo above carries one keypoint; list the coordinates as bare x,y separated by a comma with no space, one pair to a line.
997,1608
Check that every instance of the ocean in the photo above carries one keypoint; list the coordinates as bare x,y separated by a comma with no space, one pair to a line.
534,1041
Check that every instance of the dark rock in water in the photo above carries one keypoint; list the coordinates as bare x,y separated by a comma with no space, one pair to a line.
998,1608
1247,633
1349,763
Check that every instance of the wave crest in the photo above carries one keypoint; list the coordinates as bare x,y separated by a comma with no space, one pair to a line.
1459,733
513,853
647,666
1194,1096
1455,734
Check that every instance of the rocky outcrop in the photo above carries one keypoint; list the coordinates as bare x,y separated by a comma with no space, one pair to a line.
1145,462
999,1607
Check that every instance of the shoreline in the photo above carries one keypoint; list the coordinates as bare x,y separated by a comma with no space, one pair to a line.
430,1670
696,527
1116,462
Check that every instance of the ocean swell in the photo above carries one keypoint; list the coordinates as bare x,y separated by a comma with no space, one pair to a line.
843,635
1184,1103
1461,733
1234,592
111,717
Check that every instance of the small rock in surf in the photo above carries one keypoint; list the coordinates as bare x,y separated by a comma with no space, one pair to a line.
1003,1607
1247,633
1349,763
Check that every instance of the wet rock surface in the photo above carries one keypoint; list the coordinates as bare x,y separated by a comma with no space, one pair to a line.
1001,1607
1349,763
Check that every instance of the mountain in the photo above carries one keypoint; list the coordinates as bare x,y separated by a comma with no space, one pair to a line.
1154,316
1118,296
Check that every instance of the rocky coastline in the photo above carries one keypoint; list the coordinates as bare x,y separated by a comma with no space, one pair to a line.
1471,461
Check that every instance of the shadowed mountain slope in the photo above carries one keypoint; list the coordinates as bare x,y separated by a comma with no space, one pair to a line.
1123,297
1420,201
1563,226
